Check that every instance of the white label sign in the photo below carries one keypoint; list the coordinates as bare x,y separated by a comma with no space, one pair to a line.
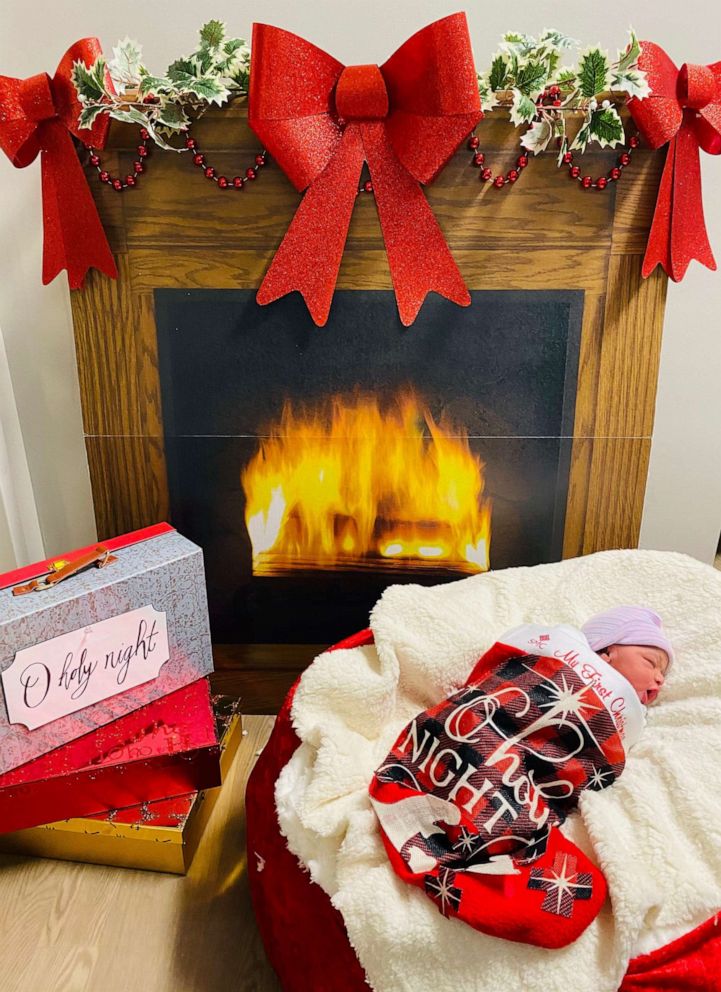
84,666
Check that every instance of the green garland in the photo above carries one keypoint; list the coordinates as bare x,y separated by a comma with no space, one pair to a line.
126,90
526,75
525,69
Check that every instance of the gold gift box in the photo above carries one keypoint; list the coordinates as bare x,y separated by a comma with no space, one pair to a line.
160,836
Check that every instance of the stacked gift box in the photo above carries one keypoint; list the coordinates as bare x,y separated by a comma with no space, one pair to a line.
107,723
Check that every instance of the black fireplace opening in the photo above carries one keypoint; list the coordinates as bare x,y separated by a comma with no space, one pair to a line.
316,466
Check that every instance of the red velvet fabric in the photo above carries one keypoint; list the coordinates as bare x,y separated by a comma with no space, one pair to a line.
304,935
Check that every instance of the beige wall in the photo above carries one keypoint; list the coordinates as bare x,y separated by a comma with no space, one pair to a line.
683,500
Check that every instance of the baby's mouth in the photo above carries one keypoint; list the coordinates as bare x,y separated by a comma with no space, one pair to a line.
649,695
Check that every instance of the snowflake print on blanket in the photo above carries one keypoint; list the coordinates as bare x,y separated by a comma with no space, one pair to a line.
440,887
563,885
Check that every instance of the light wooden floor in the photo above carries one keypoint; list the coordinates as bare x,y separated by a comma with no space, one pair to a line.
68,927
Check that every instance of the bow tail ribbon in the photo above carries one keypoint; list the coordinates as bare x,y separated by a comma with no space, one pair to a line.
310,254
678,231
419,258
74,238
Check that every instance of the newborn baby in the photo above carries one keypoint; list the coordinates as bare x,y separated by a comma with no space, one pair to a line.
632,641
629,639
471,795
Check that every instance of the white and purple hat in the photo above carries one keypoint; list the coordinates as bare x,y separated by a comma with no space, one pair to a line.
627,625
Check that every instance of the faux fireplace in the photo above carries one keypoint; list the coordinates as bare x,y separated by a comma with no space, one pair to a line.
317,466
499,377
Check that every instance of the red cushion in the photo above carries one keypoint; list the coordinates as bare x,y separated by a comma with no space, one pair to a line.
304,935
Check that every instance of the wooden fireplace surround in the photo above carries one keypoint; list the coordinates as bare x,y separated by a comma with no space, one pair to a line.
177,230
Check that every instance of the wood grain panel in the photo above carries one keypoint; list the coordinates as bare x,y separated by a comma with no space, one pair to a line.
129,481
635,203
261,674
619,466
619,407
181,206
262,691
110,203
584,422
177,204
265,657
630,349
117,356
231,268
106,353
174,202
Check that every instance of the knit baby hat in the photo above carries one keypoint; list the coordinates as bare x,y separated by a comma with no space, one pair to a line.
627,625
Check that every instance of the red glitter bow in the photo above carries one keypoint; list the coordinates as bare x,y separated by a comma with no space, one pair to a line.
321,120
38,115
684,109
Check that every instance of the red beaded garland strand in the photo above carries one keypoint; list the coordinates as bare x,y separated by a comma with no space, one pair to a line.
486,174
239,182
142,150
223,182
613,175
574,172
131,179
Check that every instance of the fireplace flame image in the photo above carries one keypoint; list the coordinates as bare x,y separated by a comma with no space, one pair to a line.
354,484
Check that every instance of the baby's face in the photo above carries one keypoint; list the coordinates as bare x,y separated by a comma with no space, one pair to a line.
644,667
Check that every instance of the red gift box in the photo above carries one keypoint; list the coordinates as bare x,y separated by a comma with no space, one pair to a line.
160,836
167,748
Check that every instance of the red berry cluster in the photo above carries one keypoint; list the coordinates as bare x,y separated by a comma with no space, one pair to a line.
551,97
614,174
487,176
138,165
237,182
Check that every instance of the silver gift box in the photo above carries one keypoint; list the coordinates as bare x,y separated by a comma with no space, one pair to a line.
156,567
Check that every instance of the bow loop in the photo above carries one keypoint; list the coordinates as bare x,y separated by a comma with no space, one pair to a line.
696,86
87,51
321,121
361,94
708,122
36,98
288,109
433,90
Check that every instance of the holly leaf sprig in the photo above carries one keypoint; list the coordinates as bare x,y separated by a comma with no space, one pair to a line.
126,90
527,76
523,67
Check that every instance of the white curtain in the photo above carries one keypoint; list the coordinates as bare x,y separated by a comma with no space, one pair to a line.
20,538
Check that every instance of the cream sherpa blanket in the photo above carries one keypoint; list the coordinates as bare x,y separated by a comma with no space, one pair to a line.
656,834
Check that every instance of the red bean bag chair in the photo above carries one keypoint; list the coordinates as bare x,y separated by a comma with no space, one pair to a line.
304,935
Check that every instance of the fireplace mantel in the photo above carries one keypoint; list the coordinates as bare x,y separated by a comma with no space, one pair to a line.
178,231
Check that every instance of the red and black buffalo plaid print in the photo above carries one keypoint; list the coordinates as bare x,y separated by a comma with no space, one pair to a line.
470,797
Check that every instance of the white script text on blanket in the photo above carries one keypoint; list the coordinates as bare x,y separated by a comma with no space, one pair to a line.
470,797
